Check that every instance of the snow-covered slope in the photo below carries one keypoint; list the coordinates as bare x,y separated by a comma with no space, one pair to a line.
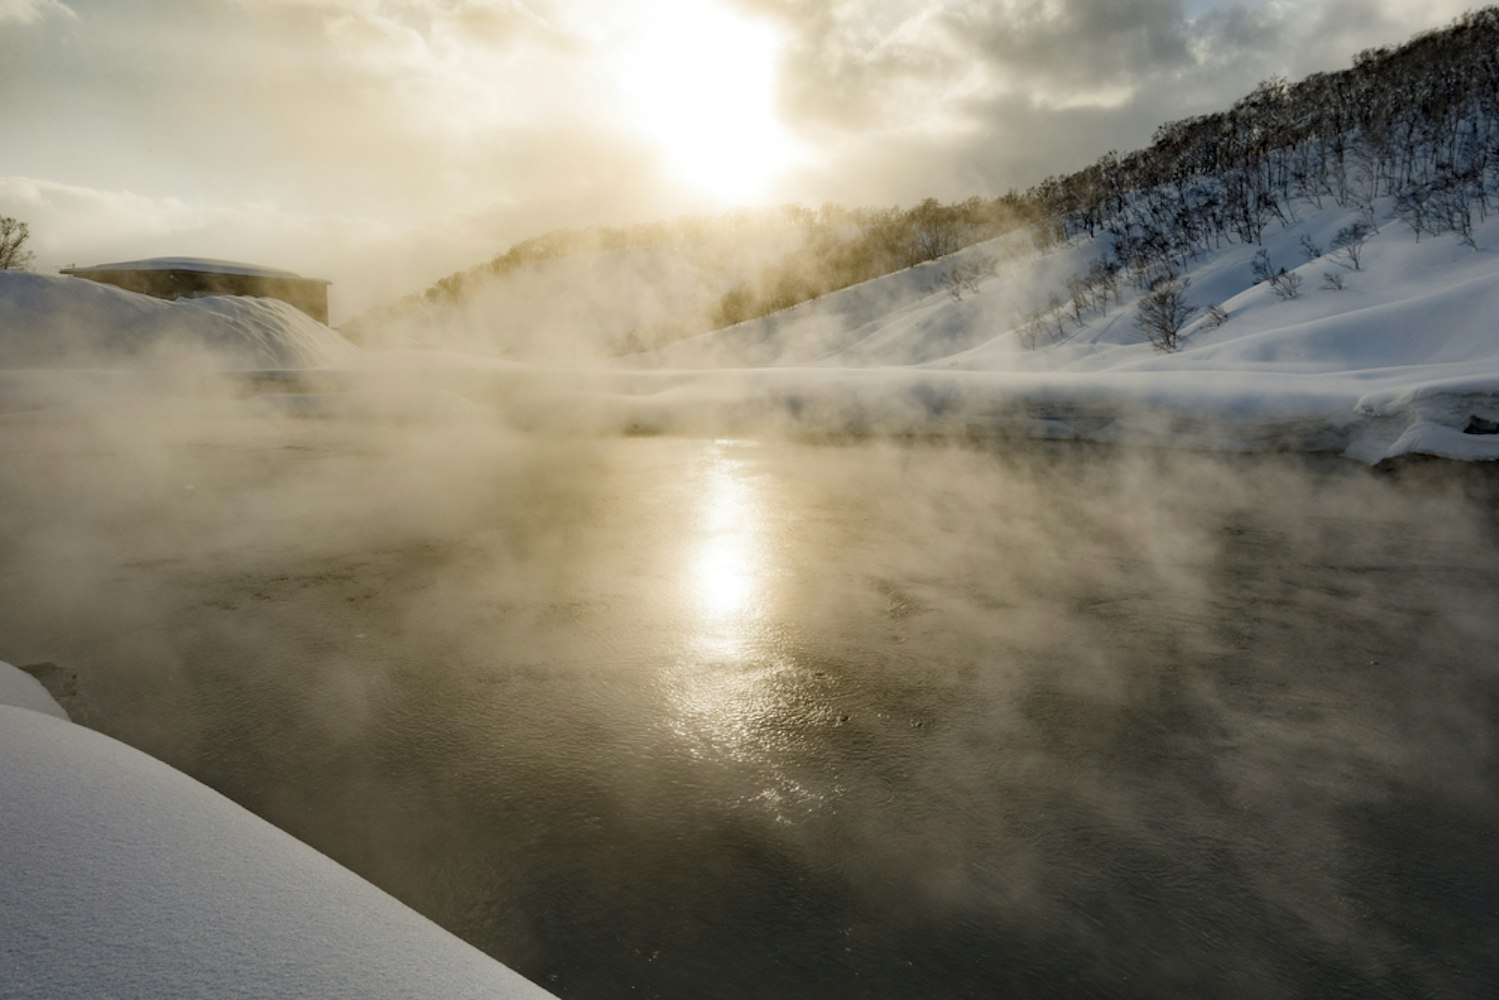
48,321
909,317
1404,357
122,877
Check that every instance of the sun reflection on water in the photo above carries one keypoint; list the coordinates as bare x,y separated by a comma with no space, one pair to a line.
733,694
728,565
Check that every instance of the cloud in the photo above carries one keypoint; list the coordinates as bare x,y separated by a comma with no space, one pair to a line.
370,258
335,106
72,224
1061,51
424,36
919,97
31,11
71,216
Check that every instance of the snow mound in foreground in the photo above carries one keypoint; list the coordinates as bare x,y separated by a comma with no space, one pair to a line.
22,690
49,321
126,878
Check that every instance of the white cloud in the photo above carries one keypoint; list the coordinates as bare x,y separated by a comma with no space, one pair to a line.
31,11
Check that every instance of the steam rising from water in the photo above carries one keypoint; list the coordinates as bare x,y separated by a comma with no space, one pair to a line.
706,716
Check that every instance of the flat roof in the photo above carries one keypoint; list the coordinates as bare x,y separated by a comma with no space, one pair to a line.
203,264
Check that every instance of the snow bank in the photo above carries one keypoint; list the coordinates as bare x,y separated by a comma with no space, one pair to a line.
125,878
47,321
21,690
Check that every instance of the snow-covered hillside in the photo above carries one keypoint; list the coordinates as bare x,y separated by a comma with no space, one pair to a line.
1404,357
125,878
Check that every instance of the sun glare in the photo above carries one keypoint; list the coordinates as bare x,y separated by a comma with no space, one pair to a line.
727,564
700,81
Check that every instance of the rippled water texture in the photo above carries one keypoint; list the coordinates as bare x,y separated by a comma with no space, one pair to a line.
681,718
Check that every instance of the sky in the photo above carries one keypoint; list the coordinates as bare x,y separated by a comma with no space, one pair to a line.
384,143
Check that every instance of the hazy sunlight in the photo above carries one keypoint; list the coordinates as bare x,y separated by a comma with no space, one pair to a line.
700,81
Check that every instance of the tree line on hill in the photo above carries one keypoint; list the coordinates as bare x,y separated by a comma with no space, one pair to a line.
1418,123
839,247
847,246
456,287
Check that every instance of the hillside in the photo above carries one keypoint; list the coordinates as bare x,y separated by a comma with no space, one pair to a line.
1402,358
1320,247
578,294
574,295
589,304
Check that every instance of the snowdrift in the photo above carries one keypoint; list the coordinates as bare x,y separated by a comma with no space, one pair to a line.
21,690
48,321
124,877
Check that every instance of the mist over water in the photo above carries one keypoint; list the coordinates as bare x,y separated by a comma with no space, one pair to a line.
692,717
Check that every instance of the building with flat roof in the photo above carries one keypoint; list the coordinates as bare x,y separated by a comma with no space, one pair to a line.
190,277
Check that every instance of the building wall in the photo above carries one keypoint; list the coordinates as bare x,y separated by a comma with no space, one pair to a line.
306,294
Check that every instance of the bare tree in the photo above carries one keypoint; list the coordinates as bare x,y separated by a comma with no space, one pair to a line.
1410,208
1350,242
1056,308
1033,330
1261,267
1286,284
964,277
1077,294
1103,274
1163,311
13,253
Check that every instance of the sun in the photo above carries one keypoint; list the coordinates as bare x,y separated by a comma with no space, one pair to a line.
699,81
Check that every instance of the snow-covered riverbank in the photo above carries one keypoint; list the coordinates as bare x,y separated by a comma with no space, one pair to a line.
124,877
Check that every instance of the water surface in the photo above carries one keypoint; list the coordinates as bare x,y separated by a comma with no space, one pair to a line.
687,718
